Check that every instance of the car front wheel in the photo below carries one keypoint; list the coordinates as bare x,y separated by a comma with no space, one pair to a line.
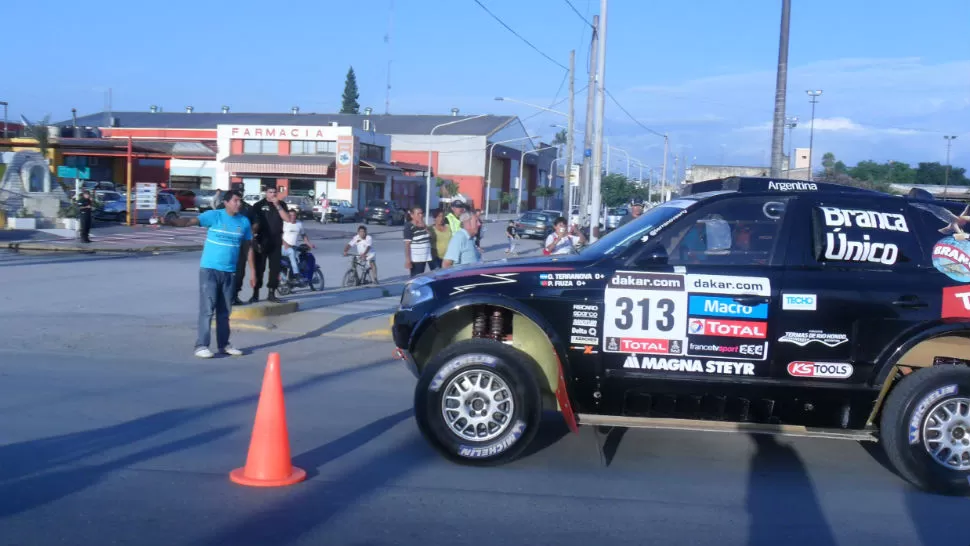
478,402
925,429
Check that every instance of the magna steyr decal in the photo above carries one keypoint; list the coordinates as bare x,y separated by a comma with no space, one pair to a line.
688,365
814,336
498,278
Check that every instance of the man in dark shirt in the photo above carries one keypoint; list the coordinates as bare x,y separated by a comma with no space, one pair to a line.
267,218
635,211
84,213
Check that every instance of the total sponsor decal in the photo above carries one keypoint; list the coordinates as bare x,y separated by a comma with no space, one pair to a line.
917,419
494,449
956,302
729,284
645,346
688,365
799,302
825,370
727,328
814,336
720,348
725,307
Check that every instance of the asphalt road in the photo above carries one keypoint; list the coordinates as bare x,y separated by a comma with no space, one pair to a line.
114,433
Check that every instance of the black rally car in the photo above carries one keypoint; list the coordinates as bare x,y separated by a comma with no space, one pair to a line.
747,304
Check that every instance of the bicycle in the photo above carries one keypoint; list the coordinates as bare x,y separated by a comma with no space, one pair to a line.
359,273
311,275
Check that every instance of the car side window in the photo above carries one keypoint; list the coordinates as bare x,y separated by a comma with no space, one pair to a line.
730,232
863,234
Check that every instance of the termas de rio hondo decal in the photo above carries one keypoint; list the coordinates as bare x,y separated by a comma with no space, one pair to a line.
951,254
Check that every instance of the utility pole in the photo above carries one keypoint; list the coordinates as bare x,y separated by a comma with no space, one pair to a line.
597,180
570,144
663,174
781,88
946,174
811,131
586,175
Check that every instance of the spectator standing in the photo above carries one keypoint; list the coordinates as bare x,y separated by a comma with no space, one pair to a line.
227,229
511,236
441,234
462,249
246,210
417,243
636,209
481,230
561,242
453,217
269,213
84,213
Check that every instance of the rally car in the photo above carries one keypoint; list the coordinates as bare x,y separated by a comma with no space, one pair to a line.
746,304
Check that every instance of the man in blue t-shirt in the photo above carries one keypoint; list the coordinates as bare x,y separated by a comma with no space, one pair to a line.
228,229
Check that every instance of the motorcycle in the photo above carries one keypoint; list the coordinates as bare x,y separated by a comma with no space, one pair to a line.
309,275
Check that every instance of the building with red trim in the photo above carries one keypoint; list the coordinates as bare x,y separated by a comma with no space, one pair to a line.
460,148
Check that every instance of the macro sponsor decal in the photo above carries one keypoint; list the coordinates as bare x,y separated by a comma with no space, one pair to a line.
867,219
655,281
825,370
799,302
956,302
729,284
727,328
725,307
584,329
688,365
792,186
568,280
952,258
465,360
645,346
814,336
494,449
486,280
916,420
720,347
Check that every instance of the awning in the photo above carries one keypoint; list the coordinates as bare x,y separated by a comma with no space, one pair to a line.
380,166
318,164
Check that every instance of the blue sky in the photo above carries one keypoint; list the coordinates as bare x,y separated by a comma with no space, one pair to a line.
895,74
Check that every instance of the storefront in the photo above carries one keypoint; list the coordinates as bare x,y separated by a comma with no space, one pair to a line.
341,162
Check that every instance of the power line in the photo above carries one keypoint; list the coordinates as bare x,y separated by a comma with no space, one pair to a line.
576,11
629,115
519,36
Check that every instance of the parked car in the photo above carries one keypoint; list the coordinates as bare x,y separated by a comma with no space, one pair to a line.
748,305
613,217
114,208
535,224
384,211
204,200
302,204
186,198
338,210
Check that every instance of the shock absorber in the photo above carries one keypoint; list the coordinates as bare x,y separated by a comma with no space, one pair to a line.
498,325
480,324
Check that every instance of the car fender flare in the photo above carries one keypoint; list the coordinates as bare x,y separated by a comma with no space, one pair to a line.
561,391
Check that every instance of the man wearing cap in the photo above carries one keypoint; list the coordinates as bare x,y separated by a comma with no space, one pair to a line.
462,249
453,217
635,211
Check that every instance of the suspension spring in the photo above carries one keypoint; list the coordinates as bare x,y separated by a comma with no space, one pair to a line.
480,325
498,325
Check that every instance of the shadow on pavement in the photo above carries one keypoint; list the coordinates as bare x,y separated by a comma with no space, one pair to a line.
936,517
313,505
336,324
22,495
782,505
312,460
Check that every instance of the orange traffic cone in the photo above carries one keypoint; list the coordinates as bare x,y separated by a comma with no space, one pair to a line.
268,463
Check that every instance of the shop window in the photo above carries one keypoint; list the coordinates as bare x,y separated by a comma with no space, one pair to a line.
370,151
326,147
310,147
252,146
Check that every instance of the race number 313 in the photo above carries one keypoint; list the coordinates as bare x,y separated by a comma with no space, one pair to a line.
644,306
664,315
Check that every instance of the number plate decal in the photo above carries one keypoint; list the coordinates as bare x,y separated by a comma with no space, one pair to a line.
645,313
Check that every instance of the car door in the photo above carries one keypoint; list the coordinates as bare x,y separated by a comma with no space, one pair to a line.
706,308
854,280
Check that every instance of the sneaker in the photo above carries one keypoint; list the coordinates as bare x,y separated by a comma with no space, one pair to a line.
203,352
231,351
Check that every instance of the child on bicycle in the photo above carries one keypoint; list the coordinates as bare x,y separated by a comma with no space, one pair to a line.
365,249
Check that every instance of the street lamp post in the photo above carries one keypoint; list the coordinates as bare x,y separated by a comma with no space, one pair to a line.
791,123
488,169
811,131
4,104
427,198
946,174
518,204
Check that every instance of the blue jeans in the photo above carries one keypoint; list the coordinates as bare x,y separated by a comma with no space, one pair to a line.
216,289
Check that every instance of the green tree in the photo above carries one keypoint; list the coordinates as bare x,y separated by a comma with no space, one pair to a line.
506,199
617,189
561,138
351,94
446,188
545,192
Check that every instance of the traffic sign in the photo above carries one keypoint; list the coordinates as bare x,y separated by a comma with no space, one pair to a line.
146,196
588,152
84,173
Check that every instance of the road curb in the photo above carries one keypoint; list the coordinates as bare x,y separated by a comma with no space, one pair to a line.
262,310
91,250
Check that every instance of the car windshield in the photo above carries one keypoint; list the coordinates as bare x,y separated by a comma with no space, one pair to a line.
620,239
618,212
111,197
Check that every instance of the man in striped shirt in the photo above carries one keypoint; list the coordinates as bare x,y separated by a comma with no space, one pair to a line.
417,243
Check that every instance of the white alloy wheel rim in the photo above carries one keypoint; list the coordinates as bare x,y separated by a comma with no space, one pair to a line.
946,433
477,405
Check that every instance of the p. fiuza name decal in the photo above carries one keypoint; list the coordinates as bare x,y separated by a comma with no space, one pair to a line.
688,365
839,247
869,219
789,186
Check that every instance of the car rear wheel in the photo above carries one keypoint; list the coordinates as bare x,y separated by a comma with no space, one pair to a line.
478,402
925,429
